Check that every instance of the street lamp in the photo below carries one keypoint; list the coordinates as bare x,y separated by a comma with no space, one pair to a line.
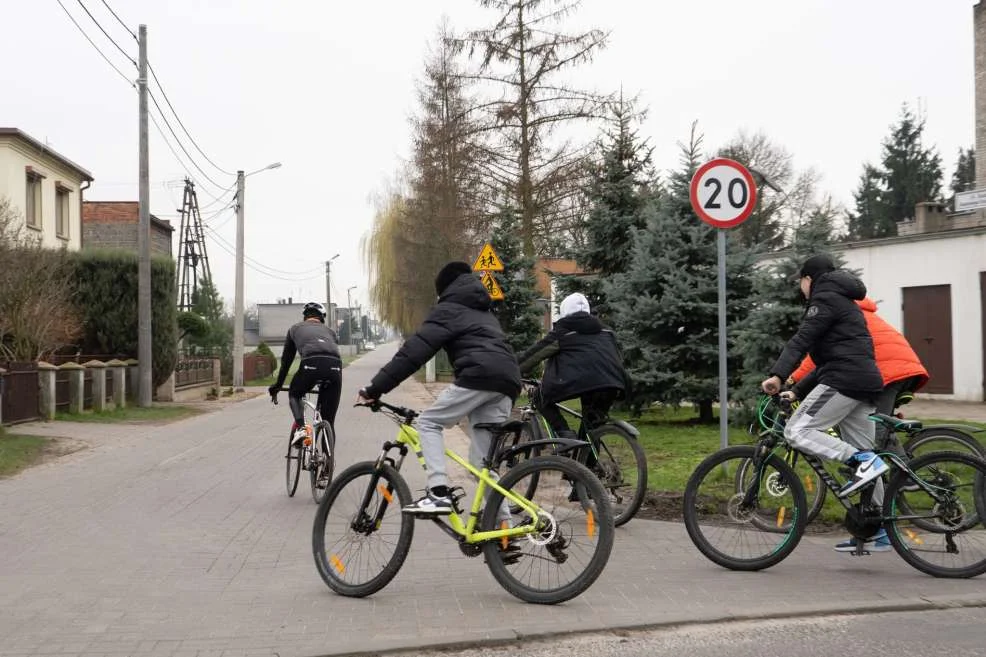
349,314
238,295
328,291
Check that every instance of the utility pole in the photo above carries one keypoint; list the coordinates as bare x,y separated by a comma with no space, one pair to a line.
328,292
143,234
238,295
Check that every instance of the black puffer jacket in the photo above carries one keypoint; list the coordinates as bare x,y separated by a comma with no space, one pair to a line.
462,324
582,356
833,330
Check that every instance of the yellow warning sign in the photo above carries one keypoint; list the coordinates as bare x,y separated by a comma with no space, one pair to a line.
491,286
488,260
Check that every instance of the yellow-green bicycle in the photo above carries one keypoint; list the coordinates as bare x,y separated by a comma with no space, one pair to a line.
553,548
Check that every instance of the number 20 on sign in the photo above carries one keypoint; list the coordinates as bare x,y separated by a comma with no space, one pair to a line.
723,193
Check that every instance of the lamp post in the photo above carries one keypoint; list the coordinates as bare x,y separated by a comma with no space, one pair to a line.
238,295
328,292
349,315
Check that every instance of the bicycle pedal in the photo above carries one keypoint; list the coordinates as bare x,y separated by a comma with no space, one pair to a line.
455,494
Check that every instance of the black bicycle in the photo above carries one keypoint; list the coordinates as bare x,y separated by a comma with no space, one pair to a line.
316,453
918,440
610,450
931,510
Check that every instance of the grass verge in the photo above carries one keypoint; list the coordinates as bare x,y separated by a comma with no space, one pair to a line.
19,452
133,414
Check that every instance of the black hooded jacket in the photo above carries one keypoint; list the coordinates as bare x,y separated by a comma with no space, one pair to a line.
463,325
833,330
583,356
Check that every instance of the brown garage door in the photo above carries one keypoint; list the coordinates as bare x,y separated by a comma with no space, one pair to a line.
928,327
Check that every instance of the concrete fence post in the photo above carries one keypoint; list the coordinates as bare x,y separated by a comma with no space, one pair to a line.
97,369
76,386
47,400
133,379
118,370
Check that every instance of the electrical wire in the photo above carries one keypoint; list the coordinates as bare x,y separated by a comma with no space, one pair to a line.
167,100
93,44
180,145
105,33
313,271
228,248
106,4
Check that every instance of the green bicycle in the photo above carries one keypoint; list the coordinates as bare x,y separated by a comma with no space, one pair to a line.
553,548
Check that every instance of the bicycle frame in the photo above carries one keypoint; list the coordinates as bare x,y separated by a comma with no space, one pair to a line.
409,439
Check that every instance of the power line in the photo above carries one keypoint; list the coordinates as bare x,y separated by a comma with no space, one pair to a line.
106,4
190,138
228,248
107,34
157,126
93,44
182,146
315,271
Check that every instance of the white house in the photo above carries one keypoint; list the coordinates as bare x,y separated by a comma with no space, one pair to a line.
45,188
930,283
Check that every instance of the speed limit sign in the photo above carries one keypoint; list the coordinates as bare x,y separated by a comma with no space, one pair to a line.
723,193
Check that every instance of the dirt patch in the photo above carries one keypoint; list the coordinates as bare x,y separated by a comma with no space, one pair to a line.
56,447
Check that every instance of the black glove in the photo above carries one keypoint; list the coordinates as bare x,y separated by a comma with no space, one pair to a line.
273,390
369,392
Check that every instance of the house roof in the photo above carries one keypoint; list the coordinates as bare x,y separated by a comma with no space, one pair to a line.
42,148
117,212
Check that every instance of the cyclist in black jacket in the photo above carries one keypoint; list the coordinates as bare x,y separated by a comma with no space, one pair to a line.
317,346
583,360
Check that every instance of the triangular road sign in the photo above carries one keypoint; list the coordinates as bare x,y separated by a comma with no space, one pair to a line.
488,260
489,282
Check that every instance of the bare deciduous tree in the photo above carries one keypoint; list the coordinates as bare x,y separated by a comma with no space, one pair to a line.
37,316
523,58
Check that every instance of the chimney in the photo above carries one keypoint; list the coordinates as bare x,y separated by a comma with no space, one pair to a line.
929,217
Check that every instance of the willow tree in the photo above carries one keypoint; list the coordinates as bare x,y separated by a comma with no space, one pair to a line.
393,286
523,61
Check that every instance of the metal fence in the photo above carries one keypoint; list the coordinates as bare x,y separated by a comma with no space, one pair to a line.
193,372
19,394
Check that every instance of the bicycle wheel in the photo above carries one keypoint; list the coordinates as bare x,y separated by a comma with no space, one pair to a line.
621,466
361,537
528,434
293,465
815,488
938,536
574,537
323,460
715,512
942,439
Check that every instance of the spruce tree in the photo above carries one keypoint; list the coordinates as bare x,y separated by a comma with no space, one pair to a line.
870,218
620,183
665,308
964,177
912,173
519,313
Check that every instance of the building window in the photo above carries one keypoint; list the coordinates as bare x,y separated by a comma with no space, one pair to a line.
32,202
62,211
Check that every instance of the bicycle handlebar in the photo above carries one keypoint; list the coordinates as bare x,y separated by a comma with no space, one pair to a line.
376,405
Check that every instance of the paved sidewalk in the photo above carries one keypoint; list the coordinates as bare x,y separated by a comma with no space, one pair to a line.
179,541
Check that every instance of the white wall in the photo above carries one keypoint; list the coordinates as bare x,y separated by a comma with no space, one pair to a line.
277,318
14,157
888,266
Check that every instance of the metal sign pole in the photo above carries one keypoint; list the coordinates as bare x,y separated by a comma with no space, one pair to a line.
723,387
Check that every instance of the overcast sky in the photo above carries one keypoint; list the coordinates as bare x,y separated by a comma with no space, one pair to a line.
326,88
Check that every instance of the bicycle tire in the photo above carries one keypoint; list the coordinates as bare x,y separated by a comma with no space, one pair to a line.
960,439
599,515
911,546
323,460
332,567
692,518
612,475
293,465
815,491
528,433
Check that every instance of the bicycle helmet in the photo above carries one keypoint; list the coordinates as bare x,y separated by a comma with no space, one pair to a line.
314,309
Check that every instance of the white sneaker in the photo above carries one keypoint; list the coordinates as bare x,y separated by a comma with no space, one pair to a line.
299,436
870,467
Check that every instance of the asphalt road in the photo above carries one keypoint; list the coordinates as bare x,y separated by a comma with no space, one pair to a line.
952,632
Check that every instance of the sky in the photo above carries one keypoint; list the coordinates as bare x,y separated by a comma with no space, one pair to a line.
326,88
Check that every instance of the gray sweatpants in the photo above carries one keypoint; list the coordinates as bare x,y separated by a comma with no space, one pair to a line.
479,406
824,408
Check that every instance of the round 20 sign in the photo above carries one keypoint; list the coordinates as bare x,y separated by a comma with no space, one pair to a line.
723,193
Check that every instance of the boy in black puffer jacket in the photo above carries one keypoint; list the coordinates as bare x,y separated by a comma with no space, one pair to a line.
833,330
487,380
583,361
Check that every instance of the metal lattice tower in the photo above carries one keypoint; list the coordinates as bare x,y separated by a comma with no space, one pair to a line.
193,261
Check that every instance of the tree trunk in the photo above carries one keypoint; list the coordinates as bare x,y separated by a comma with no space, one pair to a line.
705,415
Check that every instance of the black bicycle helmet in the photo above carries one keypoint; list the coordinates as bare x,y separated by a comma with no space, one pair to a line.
314,309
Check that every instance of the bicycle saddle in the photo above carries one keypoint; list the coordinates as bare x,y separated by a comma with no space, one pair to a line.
896,423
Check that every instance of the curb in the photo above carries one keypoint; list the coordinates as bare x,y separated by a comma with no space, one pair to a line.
511,638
